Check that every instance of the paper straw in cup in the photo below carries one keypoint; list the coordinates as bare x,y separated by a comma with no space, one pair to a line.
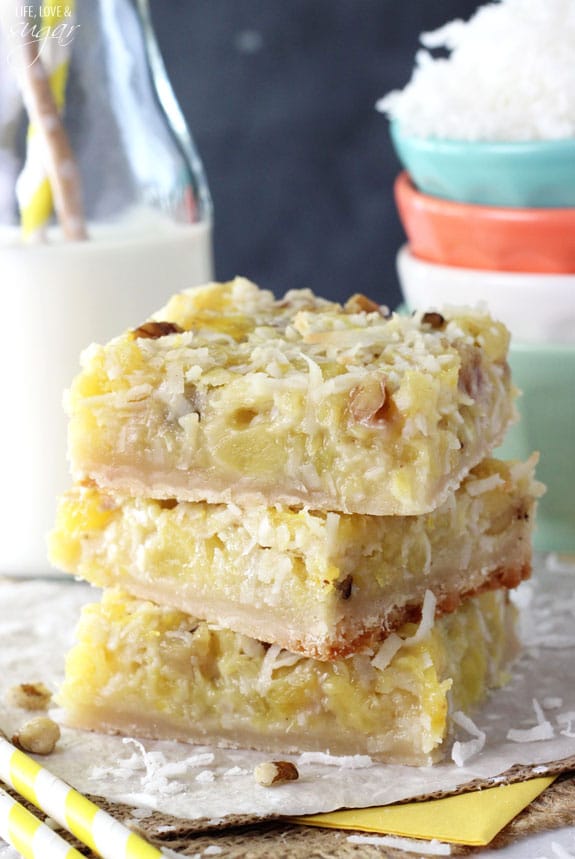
91,825
28,835
33,188
41,183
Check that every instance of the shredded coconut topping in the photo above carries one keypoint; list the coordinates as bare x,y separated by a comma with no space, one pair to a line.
427,618
268,665
387,651
393,642
478,487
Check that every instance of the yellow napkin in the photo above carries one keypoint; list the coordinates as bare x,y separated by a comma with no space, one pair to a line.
472,818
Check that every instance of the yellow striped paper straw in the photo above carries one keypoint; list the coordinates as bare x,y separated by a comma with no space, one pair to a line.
28,835
33,188
91,825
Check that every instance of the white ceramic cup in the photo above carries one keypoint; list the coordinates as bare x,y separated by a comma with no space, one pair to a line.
56,300
537,308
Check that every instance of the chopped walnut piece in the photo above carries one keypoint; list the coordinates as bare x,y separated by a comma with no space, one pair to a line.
272,773
153,330
38,736
471,376
344,587
359,303
29,696
369,402
522,514
433,319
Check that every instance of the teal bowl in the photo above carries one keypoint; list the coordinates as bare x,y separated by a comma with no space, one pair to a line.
538,174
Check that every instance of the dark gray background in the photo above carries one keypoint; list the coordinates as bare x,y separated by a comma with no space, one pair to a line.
280,95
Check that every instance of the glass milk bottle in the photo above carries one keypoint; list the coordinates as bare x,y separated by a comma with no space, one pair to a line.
133,226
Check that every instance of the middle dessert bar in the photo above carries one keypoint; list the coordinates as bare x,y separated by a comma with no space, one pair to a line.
322,584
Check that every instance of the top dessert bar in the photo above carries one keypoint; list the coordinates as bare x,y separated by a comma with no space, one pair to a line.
229,395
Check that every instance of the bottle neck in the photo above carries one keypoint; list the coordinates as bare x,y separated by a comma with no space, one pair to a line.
170,106
124,124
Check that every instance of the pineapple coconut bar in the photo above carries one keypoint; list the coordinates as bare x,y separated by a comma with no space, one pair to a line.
141,669
291,506
231,396
321,584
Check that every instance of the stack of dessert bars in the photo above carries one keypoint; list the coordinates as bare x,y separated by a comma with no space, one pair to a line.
291,506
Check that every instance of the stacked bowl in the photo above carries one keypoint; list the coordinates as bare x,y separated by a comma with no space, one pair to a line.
495,223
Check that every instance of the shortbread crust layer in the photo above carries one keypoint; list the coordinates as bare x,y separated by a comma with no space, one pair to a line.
228,395
151,671
324,584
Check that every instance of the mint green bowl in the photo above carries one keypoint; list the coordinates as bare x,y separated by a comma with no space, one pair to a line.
538,174
545,374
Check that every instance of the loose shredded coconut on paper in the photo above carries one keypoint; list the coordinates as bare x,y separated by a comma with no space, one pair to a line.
159,771
235,771
556,563
141,813
509,76
543,730
565,722
462,752
205,776
350,762
410,845
559,852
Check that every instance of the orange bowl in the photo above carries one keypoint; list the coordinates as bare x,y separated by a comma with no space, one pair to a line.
486,237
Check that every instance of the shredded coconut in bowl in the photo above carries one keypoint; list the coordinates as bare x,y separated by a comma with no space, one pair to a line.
509,76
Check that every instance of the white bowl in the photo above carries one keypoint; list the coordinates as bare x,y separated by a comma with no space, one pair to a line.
537,308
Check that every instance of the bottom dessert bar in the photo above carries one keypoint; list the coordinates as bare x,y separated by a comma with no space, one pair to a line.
150,671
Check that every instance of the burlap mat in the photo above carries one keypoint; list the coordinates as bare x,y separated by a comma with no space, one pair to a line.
254,838
554,808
